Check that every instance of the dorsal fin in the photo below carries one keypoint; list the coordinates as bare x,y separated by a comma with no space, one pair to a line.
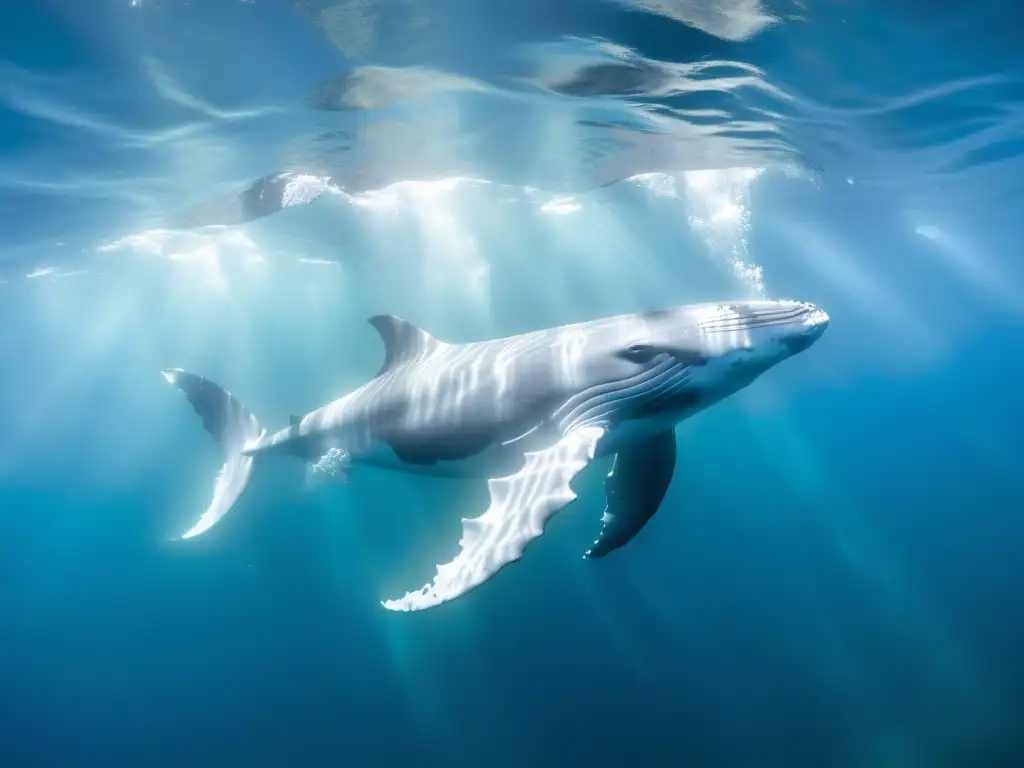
294,420
403,341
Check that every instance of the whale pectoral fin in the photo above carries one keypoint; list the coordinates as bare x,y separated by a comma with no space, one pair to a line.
521,504
635,487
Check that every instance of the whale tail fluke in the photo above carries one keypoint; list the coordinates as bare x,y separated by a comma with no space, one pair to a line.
234,427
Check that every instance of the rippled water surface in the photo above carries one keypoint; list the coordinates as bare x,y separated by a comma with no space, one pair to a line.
233,186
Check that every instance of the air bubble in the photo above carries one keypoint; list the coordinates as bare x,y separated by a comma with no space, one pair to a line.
333,465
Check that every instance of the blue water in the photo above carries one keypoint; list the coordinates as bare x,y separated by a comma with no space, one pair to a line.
232,187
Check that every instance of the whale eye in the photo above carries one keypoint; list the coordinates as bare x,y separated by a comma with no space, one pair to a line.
640,353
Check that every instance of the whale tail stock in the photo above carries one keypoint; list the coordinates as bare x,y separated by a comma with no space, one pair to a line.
234,427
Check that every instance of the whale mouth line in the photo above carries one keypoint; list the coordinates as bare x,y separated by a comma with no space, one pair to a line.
761,320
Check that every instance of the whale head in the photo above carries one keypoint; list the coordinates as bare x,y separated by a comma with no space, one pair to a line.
670,363
738,340
717,349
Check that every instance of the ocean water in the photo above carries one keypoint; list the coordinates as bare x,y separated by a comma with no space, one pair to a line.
835,577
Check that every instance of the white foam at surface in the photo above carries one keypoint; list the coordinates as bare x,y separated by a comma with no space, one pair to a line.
51,272
318,262
206,249
301,189
560,206
734,20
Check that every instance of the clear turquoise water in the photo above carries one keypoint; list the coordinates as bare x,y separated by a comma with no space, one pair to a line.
834,578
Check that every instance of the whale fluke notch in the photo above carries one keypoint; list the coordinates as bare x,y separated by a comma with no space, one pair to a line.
234,427
403,341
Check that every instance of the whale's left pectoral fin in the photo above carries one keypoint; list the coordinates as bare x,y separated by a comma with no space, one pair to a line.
521,504
634,489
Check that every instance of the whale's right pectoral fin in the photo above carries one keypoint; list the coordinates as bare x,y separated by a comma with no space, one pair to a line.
634,490
521,504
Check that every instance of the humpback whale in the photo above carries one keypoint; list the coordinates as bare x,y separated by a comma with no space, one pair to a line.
527,412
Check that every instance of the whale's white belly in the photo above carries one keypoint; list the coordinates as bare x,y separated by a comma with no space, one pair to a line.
496,460
501,459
